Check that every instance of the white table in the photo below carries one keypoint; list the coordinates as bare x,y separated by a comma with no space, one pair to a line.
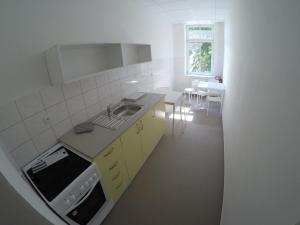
172,98
213,86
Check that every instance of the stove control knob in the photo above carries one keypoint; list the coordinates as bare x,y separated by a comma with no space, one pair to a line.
86,183
67,202
82,187
91,179
95,175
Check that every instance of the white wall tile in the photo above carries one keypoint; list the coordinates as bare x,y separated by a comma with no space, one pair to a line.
88,84
45,140
25,153
132,69
111,87
75,104
71,90
115,99
30,105
37,123
52,96
9,115
93,110
115,87
122,73
114,75
79,117
146,69
91,97
62,127
14,136
57,113
104,91
102,105
102,79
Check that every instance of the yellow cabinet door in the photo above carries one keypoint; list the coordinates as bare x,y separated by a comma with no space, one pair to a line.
111,164
116,181
109,157
131,143
148,136
160,123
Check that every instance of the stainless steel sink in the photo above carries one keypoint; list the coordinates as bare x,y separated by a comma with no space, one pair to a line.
125,110
120,113
110,122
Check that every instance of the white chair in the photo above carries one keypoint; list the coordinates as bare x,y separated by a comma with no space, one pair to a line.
213,96
201,93
192,91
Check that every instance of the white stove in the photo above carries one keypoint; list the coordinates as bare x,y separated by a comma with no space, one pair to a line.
70,185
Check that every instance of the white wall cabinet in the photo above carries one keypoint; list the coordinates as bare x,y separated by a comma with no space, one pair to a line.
136,53
68,63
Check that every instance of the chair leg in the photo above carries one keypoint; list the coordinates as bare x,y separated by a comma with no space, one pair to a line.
180,111
221,107
201,101
207,108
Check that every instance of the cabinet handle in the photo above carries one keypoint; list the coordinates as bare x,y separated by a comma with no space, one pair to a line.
116,177
111,151
119,185
137,128
142,125
114,165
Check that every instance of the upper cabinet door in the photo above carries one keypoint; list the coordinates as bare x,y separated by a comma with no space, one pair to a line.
136,53
68,63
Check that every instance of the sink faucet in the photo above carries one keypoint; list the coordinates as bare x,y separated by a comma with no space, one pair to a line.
108,109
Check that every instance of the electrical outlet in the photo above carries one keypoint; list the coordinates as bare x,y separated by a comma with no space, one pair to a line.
47,119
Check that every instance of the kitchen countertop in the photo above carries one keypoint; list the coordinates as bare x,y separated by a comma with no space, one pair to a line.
93,143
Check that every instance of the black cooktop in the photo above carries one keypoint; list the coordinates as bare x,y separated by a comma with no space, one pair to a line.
56,177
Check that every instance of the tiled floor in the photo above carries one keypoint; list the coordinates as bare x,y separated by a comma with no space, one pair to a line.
182,181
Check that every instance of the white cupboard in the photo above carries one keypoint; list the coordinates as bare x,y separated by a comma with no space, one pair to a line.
68,63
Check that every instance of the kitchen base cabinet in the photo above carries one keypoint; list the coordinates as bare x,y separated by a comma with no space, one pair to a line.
116,182
131,146
111,165
153,128
160,120
121,161
148,136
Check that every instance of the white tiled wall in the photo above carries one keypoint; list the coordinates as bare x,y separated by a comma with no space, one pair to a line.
32,124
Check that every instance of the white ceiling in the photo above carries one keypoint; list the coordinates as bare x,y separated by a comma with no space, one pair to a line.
188,11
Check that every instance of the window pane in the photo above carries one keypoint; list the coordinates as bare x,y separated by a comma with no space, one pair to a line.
199,57
198,32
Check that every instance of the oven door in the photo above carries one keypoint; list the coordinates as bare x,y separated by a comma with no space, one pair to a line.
91,208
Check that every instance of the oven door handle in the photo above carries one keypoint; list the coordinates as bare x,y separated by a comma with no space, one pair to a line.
85,196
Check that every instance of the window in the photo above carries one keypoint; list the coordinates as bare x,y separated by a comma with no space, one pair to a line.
199,50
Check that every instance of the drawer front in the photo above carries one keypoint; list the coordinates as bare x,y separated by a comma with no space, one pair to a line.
110,157
116,181
119,186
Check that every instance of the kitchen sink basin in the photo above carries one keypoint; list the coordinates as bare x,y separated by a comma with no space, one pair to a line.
126,110
120,113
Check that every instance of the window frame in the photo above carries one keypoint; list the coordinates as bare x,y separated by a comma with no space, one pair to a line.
188,41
